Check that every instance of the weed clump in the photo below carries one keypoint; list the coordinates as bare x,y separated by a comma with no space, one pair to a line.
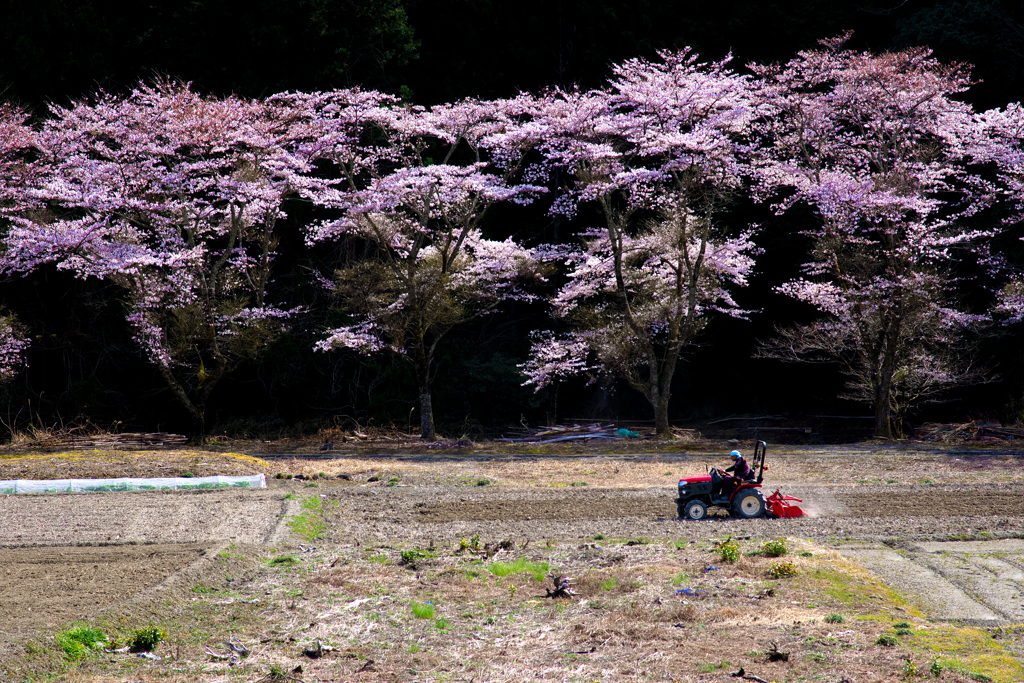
835,619
423,610
887,640
146,639
411,558
775,548
728,550
782,570
79,641
284,561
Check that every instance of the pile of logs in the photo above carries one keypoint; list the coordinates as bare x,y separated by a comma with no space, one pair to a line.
126,441
968,431
581,432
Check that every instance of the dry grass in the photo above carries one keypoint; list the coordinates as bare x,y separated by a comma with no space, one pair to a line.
108,464
654,614
643,611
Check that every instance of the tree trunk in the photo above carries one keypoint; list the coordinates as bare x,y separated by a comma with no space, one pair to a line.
883,408
196,410
661,425
659,401
426,415
198,435
421,361
883,422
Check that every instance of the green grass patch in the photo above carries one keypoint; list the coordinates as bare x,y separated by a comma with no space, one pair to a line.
712,667
79,641
679,579
411,557
423,610
538,570
852,590
311,523
971,652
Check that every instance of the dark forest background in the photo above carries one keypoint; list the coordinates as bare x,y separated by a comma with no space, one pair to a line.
84,368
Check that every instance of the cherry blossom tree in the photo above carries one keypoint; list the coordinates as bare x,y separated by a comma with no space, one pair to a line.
413,188
175,198
13,344
1005,128
888,159
17,171
659,152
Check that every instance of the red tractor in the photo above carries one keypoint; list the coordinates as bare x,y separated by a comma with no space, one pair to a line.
746,501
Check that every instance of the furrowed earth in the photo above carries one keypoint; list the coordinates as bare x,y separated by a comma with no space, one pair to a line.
419,566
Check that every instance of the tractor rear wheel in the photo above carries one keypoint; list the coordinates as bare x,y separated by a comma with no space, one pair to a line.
694,509
748,504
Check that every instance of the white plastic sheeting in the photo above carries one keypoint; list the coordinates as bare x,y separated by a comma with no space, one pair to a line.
256,481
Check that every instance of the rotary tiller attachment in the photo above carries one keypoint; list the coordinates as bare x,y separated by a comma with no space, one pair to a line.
778,506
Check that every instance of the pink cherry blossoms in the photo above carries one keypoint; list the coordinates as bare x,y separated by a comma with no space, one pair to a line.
13,345
658,152
889,161
174,197
430,267
413,219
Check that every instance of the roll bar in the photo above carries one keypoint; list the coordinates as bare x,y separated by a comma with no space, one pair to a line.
760,447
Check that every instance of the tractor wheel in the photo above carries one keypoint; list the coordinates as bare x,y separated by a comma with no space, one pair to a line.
694,509
748,504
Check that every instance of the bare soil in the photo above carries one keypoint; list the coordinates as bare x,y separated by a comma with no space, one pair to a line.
602,517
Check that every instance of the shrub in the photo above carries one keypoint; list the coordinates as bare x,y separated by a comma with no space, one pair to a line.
775,548
728,550
781,570
146,639
910,668
887,640
835,619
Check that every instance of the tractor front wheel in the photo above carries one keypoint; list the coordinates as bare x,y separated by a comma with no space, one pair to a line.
748,504
694,509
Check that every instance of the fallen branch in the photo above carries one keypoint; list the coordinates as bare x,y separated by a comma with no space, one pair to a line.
747,677
562,587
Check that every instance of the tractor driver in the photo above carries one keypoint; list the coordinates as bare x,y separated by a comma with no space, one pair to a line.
724,484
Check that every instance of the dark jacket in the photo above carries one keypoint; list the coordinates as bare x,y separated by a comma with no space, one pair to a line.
741,469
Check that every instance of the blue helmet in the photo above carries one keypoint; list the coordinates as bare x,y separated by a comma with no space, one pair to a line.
735,454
